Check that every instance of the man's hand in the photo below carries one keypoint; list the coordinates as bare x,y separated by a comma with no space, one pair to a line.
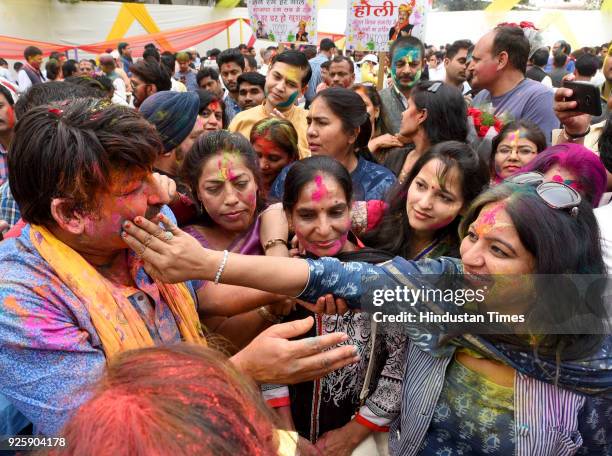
342,441
272,358
575,122
166,188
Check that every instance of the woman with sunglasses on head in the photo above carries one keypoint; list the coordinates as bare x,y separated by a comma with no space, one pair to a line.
339,127
573,165
517,144
480,394
436,112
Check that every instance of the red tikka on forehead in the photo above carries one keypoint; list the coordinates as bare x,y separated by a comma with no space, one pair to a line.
267,144
214,105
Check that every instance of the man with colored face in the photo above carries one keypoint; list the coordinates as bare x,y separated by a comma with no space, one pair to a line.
287,79
499,63
30,73
407,60
251,88
231,65
342,72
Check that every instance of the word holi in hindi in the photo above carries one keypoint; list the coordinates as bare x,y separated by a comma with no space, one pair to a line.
363,9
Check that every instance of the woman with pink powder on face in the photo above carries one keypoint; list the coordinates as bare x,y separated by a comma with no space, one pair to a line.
317,205
223,172
514,147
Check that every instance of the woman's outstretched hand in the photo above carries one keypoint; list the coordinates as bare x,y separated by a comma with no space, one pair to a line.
272,358
170,255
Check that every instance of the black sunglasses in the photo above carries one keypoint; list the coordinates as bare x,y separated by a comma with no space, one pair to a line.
555,194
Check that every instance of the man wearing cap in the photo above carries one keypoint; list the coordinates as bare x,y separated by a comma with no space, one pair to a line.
174,115
8,96
326,52
368,66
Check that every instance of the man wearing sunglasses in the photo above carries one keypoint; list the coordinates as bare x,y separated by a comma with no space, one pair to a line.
499,63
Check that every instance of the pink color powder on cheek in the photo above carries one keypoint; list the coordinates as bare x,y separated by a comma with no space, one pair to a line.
321,190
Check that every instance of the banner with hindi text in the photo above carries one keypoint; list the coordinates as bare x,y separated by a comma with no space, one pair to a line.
372,24
284,21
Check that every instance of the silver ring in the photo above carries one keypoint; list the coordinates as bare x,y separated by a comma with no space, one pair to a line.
168,236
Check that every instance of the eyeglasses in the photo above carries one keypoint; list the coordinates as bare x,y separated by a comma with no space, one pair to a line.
434,87
555,194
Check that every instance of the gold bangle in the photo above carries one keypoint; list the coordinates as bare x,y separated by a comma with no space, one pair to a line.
272,242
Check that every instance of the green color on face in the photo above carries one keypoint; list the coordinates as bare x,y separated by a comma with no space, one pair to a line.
290,100
408,55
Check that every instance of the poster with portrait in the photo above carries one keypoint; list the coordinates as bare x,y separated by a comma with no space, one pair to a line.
372,24
284,21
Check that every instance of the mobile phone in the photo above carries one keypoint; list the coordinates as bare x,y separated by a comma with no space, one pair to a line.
586,95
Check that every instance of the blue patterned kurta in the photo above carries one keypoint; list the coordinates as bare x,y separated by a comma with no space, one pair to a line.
50,351
590,434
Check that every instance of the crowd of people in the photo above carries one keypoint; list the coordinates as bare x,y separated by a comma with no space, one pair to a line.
191,245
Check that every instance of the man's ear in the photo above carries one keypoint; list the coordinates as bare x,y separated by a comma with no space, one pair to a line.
446,61
304,89
502,60
62,211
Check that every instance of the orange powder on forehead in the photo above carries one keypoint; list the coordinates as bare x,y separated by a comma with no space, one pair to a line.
487,220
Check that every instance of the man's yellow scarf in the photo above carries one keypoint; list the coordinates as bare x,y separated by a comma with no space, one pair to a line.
118,324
